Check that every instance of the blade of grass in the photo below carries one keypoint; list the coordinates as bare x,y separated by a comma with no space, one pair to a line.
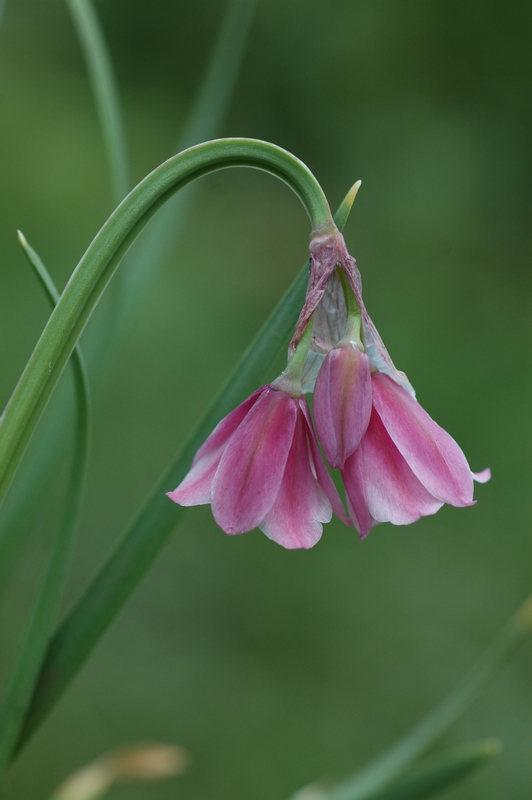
18,517
29,658
103,256
365,782
104,88
117,579
438,773
203,122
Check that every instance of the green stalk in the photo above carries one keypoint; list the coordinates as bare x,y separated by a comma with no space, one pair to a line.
104,89
436,774
365,783
204,121
93,273
143,540
28,661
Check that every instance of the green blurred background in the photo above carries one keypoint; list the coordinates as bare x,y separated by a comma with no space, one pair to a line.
277,668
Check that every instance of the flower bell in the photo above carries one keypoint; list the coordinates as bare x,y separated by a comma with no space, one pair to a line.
397,464
406,466
261,467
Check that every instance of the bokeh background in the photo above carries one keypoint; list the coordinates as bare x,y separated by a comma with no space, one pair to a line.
276,668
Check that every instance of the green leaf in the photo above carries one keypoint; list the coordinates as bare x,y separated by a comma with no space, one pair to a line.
96,268
29,659
204,122
378,774
118,578
435,774
105,93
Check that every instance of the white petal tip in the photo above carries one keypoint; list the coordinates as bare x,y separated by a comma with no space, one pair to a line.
482,477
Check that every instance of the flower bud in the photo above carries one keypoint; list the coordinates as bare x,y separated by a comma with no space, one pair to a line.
342,402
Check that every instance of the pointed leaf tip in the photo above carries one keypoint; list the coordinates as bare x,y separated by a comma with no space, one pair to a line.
345,208
490,748
22,239
523,618
353,191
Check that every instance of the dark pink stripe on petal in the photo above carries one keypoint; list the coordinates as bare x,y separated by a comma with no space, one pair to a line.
342,402
432,454
225,429
295,519
195,488
392,491
251,468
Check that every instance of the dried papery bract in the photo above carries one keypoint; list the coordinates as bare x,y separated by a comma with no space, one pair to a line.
326,301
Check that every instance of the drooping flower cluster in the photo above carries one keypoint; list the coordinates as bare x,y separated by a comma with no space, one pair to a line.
261,466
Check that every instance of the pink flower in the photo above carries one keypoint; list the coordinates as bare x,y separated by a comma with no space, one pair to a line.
261,467
342,402
406,466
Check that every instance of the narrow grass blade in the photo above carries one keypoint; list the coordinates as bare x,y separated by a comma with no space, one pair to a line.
118,578
204,122
104,88
436,774
380,772
103,256
29,659
19,517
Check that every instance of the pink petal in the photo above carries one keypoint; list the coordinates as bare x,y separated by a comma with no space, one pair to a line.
482,477
195,488
296,517
322,473
251,468
389,487
354,481
433,456
342,402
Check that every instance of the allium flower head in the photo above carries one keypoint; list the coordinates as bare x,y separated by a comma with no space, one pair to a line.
261,467
397,464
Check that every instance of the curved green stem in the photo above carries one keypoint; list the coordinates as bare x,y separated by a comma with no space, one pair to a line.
99,605
203,122
97,266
